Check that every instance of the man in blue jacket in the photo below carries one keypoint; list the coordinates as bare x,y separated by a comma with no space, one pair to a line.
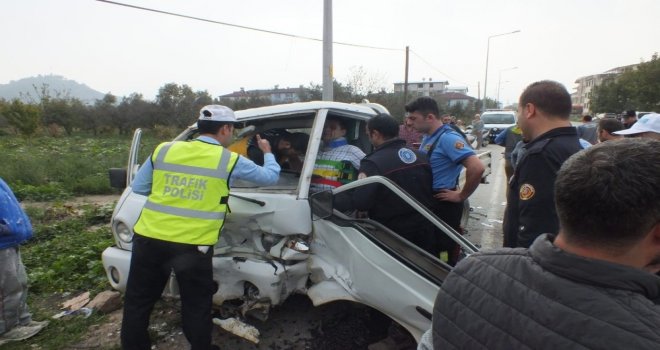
15,228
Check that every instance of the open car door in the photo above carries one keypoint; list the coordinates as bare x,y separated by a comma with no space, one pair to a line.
362,260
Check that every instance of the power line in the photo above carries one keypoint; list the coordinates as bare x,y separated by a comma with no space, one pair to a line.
245,27
436,69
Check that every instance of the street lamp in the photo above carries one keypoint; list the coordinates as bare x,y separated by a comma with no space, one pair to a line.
483,105
499,81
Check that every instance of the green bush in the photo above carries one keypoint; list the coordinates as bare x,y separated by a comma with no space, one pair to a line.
65,254
57,168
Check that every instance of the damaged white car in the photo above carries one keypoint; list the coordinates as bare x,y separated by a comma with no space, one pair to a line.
279,239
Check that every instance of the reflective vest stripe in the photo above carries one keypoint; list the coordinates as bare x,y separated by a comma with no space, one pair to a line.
191,213
220,172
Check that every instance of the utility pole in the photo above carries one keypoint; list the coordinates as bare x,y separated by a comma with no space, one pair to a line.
328,94
405,82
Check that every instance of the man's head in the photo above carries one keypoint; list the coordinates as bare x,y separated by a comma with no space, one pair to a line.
446,119
606,129
382,128
407,122
333,129
607,200
629,117
543,106
218,122
648,127
587,118
424,113
293,143
477,116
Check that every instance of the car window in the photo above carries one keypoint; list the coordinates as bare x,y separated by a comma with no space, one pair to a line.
498,118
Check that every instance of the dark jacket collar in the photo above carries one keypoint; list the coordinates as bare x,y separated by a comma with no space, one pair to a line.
563,131
592,271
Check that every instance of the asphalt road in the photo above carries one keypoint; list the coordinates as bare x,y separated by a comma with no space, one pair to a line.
488,203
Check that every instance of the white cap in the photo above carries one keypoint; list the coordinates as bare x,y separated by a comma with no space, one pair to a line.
217,113
648,123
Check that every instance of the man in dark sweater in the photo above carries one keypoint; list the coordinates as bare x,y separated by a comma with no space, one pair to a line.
543,112
407,168
593,286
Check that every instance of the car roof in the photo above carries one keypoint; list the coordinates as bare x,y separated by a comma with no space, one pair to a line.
301,107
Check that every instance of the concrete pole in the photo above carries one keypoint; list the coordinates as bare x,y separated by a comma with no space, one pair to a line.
405,82
328,94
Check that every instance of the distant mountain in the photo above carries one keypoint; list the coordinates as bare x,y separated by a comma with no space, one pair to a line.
56,84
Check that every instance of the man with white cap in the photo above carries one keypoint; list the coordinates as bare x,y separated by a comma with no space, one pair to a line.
647,126
187,184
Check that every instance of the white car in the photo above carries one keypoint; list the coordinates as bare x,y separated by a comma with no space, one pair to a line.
496,120
278,240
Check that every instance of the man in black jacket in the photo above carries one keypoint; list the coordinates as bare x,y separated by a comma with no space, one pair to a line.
591,287
543,112
407,168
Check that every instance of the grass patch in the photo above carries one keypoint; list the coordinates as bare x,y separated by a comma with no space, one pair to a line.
49,168
62,260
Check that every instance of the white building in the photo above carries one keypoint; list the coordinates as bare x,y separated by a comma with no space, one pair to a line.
423,88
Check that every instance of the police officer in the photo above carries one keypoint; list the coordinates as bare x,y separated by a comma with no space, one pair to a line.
407,168
448,153
543,117
187,187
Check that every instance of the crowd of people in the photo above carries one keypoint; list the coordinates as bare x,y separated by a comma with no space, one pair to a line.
581,227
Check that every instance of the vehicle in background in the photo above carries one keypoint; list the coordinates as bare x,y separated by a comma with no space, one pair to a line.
282,239
641,114
496,120
606,115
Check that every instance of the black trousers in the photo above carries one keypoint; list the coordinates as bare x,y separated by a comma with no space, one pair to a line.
451,213
151,265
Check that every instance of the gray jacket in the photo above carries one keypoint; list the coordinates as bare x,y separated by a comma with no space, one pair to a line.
545,298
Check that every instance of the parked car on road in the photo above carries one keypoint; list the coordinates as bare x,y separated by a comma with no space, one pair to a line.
496,120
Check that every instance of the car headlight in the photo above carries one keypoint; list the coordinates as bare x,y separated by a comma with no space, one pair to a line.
124,233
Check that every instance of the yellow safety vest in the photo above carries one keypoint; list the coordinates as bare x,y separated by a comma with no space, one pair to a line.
189,193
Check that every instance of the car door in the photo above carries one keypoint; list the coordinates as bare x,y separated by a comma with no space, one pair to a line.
363,261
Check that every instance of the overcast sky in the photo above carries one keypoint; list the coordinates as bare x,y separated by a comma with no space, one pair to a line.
122,50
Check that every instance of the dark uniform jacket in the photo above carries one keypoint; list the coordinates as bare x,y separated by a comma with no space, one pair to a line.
545,298
530,201
411,171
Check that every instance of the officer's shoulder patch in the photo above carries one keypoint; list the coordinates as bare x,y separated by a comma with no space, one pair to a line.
527,191
407,155
459,145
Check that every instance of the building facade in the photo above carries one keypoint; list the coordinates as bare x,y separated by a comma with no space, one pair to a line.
585,85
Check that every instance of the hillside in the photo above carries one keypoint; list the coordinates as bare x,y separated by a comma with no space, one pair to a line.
55,83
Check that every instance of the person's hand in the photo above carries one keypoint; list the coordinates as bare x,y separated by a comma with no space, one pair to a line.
263,144
449,196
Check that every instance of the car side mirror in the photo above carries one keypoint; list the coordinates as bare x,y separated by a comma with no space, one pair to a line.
117,177
322,204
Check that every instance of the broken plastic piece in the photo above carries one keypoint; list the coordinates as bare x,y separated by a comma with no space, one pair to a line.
239,328
85,312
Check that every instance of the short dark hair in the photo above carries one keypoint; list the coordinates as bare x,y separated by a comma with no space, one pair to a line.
607,195
630,113
210,126
342,122
549,96
587,118
385,125
298,140
610,125
424,105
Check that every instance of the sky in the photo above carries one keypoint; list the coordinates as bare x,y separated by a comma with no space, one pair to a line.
120,50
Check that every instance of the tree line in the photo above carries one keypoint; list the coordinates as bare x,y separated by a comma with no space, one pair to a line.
175,106
637,89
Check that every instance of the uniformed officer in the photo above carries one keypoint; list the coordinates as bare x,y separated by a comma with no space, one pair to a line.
543,117
187,185
407,168
448,153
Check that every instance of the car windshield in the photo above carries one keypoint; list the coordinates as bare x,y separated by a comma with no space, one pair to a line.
498,118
